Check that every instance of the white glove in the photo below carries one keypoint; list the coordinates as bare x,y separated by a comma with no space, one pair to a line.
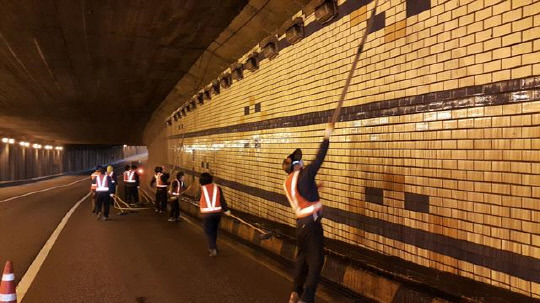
227,213
112,195
328,131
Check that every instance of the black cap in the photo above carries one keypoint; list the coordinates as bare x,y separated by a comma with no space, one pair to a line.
296,155
291,160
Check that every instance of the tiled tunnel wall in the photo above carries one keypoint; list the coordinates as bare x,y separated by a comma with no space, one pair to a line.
436,159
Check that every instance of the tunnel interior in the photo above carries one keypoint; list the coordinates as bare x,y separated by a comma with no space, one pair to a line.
431,184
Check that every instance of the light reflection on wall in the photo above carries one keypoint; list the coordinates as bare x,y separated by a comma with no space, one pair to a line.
282,138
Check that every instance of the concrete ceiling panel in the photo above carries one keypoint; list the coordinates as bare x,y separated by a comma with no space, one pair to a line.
68,68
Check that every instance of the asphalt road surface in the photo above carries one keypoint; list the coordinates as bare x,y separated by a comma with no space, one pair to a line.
138,257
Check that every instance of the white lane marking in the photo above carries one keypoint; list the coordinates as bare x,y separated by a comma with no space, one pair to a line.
33,270
42,190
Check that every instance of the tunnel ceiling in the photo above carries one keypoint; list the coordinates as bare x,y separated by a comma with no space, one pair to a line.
94,71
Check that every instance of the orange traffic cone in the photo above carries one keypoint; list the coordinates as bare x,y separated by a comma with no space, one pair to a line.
7,286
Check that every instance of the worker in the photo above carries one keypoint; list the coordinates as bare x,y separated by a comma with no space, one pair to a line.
127,168
211,204
103,192
303,195
132,184
110,173
93,187
178,186
160,179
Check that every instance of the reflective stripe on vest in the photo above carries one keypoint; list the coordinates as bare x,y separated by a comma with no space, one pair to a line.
177,191
93,176
159,182
210,206
102,184
299,204
131,174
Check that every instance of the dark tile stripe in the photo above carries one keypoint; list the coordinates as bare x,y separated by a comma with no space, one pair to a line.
415,7
374,195
417,202
511,263
378,23
504,92
517,265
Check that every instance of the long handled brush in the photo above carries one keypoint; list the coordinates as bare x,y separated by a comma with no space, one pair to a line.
337,111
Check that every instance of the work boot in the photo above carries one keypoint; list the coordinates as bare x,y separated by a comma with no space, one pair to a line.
294,297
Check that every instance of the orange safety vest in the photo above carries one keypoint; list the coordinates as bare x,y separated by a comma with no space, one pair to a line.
159,183
210,199
299,204
178,188
102,184
92,177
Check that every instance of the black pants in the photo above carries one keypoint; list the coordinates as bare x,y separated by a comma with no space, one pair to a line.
161,199
175,208
94,200
103,201
211,224
310,257
132,194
